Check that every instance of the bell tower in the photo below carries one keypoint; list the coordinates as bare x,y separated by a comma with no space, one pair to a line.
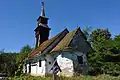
42,30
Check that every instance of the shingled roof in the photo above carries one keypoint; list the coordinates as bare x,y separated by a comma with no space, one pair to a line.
64,43
45,44
59,42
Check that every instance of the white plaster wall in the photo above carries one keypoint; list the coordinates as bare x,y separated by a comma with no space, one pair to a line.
66,65
38,71
41,70
45,66
34,68
27,68
68,61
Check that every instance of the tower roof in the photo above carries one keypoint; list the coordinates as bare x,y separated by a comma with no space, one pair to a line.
42,19
42,9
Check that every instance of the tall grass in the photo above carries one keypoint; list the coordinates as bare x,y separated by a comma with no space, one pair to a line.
81,77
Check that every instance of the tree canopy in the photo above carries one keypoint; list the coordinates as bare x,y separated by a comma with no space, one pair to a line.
105,56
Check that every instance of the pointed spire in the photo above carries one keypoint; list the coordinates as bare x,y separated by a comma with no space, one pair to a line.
42,10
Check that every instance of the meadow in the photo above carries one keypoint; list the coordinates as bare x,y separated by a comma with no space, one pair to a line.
81,77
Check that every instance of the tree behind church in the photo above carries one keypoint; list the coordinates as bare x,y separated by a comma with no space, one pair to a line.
103,57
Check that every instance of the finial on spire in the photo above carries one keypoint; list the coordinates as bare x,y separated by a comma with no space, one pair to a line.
42,10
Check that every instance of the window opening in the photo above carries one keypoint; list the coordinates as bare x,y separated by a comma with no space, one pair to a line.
39,63
80,60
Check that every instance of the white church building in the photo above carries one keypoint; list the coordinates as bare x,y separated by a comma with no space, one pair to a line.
69,49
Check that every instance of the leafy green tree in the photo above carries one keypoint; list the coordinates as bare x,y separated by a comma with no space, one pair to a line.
104,59
7,63
21,58
99,37
87,32
117,44
24,53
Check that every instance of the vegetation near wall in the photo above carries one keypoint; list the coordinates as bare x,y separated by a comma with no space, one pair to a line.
20,59
99,77
11,63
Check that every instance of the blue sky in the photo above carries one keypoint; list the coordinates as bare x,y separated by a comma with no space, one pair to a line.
18,18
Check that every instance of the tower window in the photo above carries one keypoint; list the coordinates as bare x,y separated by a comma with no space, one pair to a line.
40,63
80,60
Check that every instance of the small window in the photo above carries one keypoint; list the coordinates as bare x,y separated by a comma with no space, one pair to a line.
80,60
29,67
49,62
39,63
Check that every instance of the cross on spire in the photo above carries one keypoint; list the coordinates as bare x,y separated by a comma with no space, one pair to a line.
42,9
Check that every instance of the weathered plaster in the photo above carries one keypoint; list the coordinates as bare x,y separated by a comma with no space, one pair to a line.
67,60
66,65
36,70
48,64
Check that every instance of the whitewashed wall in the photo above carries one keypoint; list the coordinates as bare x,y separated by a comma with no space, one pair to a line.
68,62
36,70
27,68
66,65
41,70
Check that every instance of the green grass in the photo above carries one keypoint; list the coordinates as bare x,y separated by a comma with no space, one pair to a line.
100,77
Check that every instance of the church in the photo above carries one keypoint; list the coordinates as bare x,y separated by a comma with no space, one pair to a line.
69,49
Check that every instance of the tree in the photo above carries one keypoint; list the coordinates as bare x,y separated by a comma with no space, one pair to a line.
21,58
24,53
99,37
105,57
117,43
87,32
7,63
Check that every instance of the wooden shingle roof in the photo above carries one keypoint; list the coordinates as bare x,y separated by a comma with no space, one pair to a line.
45,44
64,43
59,42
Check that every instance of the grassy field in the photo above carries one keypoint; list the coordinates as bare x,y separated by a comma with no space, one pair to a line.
100,77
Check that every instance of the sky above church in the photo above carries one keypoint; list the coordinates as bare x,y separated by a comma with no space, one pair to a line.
18,18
